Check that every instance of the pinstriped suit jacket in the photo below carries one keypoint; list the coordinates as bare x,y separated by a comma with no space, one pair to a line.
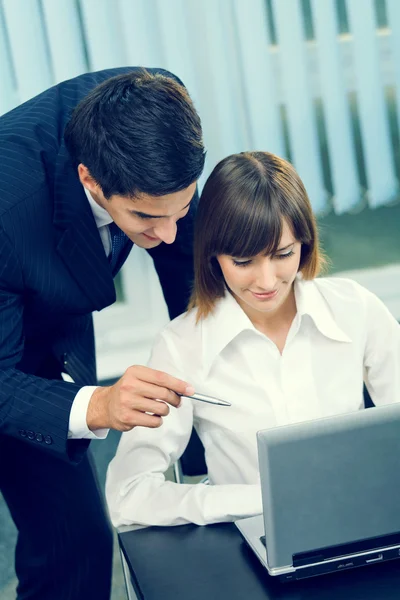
53,269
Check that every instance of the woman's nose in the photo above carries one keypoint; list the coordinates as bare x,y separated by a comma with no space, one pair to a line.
266,277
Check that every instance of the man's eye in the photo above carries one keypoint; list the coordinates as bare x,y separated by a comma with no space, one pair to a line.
141,217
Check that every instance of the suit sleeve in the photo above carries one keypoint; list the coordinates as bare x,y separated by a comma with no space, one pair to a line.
174,264
32,409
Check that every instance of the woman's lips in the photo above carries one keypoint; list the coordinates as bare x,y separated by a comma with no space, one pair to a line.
264,295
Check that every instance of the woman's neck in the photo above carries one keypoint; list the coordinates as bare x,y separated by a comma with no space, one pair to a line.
275,324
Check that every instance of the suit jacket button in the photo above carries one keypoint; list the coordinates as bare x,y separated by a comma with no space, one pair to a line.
48,439
31,435
22,432
39,437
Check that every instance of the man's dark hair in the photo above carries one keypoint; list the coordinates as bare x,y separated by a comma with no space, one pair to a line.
137,132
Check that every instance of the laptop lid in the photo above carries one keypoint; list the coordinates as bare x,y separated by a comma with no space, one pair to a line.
330,482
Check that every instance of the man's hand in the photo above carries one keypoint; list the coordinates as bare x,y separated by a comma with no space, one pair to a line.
125,404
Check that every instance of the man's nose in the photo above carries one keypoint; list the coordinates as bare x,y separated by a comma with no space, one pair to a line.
166,230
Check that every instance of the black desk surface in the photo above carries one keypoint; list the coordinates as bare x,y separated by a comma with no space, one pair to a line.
213,563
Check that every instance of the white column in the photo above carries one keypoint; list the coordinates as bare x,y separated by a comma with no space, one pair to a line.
382,182
299,102
216,65
103,34
65,38
8,92
258,83
26,34
141,32
393,13
177,44
347,192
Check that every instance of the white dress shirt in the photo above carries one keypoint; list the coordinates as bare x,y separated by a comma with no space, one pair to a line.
342,334
77,427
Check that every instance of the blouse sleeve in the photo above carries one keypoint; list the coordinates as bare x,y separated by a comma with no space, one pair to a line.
382,353
136,489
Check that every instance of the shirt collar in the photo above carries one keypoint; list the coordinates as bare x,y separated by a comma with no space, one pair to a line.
100,214
228,320
311,302
225,323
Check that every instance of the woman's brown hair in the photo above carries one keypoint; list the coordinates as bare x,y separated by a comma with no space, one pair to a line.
240,214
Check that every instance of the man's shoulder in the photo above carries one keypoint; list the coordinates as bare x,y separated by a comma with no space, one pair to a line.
62,98
31,135
67,93
52,107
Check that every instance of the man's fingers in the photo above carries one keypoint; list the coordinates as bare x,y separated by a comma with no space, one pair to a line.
161,379
147,390
141,398
147,405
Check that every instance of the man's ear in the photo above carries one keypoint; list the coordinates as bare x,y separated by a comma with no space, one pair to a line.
87,180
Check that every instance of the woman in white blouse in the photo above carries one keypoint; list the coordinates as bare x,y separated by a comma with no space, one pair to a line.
263,333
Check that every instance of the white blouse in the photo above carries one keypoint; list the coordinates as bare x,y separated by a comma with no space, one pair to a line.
341,336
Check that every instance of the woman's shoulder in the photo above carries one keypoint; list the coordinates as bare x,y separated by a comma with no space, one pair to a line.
183,333
338,285
185,324
177,347
343,291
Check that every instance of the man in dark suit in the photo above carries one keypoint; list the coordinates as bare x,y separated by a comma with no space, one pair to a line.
87,168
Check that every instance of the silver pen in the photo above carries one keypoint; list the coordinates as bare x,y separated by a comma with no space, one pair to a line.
208,399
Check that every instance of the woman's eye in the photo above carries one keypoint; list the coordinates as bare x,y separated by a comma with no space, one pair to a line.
241,263
286,255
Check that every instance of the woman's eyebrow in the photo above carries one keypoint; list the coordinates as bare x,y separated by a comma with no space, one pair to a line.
280,249
285,247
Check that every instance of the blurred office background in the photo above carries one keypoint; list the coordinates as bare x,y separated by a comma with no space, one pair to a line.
315,81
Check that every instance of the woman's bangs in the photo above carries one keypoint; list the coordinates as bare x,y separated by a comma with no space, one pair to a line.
250,227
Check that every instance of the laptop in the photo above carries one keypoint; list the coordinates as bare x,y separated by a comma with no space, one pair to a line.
331,494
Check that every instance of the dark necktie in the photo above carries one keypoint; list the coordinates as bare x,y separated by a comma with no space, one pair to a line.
118,241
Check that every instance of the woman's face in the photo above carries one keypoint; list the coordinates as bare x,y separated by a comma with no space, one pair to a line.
263,283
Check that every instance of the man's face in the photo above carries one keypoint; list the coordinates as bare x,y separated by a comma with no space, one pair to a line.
146,220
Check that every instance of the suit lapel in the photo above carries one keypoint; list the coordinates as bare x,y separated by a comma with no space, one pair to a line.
79,243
